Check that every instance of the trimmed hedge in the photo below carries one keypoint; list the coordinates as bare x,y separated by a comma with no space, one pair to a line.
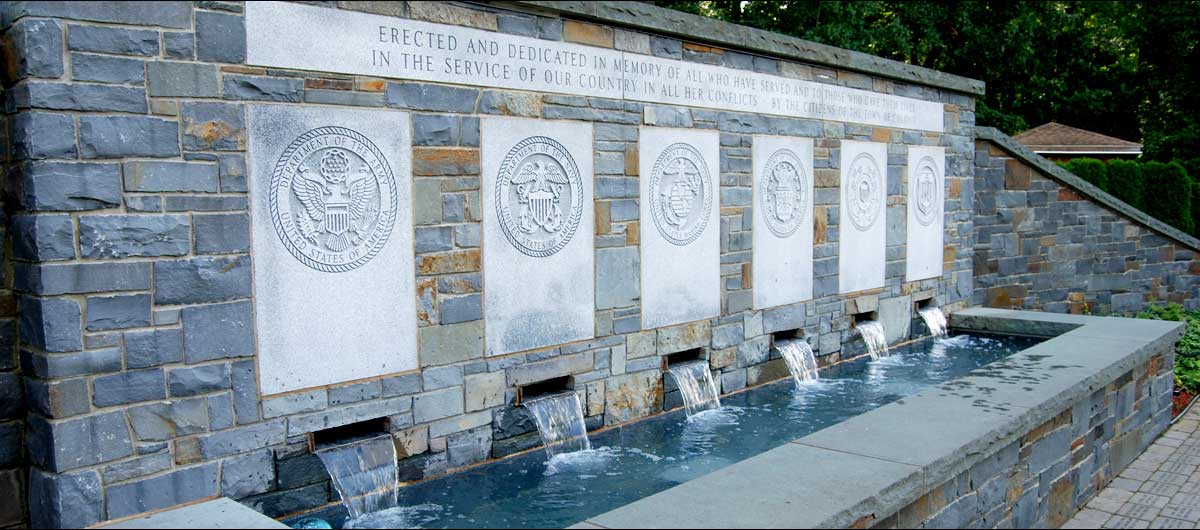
1125,182
1168,194
1162,190
1091,170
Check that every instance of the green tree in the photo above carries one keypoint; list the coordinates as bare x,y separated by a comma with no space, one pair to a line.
1125,181
1091,170
1168,194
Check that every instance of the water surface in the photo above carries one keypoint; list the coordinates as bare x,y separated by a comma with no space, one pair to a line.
646,457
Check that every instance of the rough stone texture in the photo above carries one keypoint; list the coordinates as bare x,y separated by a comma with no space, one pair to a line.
123,236
73,187
124,136
176,79
199,280
1072,255
39,135
43,237
213,126
164,491
164,176
217,331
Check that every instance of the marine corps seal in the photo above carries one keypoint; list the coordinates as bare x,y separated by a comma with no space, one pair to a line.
681,194
864,191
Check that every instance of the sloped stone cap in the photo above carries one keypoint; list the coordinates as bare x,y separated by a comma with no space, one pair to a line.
647,17
1083,187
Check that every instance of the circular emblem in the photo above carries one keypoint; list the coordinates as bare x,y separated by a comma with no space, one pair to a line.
539,196
680,194
864,191
927,191
784,187
333,199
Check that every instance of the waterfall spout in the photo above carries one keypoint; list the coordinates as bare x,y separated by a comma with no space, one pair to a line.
697,386
874,336
559,419
365,474
800,359
935,320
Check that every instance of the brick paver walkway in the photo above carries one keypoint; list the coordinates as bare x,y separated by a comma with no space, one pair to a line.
1161,489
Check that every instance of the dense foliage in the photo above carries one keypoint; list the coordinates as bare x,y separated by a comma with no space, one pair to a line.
1187,351
1165,191
1125,182
1171,190
1126,69
1091,170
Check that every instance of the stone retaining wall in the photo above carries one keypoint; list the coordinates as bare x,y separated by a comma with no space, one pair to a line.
1045,239
126,193
1051,472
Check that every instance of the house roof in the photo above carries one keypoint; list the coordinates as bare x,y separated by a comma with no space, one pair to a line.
1056,138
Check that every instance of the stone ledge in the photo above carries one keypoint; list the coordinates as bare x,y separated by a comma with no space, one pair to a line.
1087,189
646,17
875,464
217,514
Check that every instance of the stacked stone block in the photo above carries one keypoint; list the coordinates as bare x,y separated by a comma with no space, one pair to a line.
1047,475
1042,244
131,266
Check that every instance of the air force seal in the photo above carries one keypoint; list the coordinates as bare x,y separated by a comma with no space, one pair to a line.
928,192
681,194
784,188
864,193
539,196
333,199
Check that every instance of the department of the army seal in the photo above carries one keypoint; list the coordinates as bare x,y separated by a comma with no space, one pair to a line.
333,199
864,193
783,196
539,196
927,192
681,194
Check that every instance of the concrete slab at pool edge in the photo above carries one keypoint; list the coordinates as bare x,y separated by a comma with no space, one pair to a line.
217,514
870,465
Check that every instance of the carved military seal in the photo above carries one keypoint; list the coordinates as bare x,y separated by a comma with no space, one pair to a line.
333,199
539,196
864,193
681,194
927,192
783,197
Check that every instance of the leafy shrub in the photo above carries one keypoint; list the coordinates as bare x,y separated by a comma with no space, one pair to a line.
1195,206
1168,194
1091,170
1125,181
1187,351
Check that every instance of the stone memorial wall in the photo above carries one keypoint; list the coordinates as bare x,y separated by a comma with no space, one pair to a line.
237,225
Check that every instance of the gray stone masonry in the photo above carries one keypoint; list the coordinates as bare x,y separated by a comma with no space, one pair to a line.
129,277
1159,489
1044,239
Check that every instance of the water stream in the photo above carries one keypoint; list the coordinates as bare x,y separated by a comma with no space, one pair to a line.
559,419
935,320
800,359
696,383
875,338
364,473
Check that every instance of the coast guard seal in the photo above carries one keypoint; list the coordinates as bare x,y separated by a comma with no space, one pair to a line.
927,191
681,194
539,196
864,191
333,199
783,198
